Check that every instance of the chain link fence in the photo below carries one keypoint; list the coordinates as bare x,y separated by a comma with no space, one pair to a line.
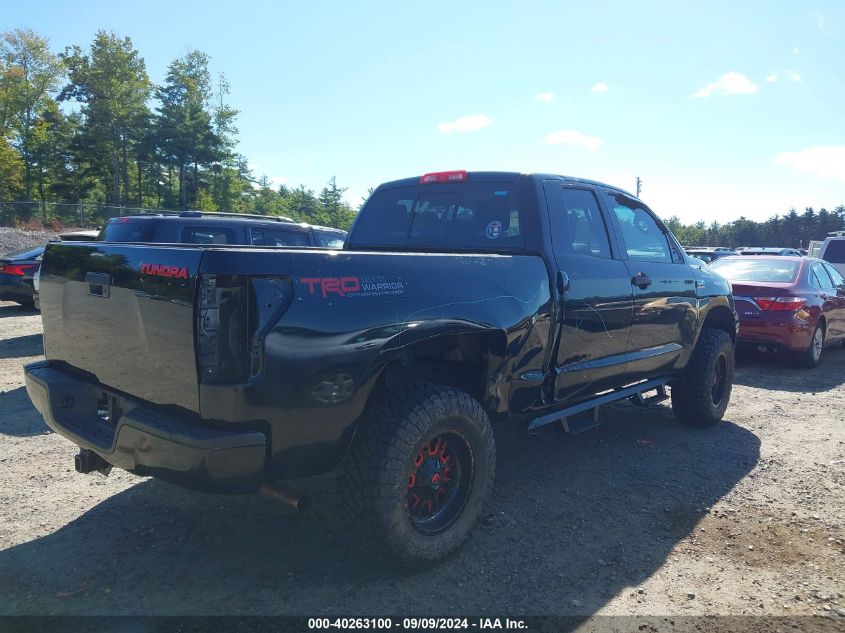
82,215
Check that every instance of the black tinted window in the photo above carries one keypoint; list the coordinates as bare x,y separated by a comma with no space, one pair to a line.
580,228
264,236
207,235
644,239
482,216
330,239
130,230
835,251
754,269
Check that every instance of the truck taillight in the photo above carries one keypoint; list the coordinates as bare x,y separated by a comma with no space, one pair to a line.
222,337
234,315
444,176
780,303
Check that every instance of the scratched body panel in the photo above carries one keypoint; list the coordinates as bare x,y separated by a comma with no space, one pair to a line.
353,313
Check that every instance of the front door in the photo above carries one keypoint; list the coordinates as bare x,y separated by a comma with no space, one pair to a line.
595,293
664,318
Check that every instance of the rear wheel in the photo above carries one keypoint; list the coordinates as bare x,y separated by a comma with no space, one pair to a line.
812,355
419,472
701,395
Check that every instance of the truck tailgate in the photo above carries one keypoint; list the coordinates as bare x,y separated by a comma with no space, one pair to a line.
124,313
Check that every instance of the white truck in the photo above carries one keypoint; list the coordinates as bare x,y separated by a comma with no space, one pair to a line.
831,249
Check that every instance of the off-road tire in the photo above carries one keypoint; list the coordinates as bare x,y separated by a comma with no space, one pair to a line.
696,398
810,357
396,427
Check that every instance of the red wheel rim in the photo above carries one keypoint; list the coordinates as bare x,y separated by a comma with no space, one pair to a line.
438,482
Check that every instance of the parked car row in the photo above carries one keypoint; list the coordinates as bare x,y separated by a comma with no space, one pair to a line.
19,271
786,300
790,304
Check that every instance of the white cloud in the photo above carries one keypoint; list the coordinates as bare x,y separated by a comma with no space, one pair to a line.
574,137
772,78
793,76
822,160
796,50
277,181
470,123
599,87
822,24
545,97
732,83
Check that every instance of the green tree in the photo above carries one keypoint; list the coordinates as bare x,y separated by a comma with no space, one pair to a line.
111,83
185,122
11,172
29,74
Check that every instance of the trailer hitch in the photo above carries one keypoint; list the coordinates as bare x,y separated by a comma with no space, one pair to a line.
88,461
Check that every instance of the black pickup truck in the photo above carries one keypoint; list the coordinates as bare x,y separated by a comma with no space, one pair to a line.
458,298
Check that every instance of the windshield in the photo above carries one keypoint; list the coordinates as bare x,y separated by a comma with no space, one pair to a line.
775,270
483,216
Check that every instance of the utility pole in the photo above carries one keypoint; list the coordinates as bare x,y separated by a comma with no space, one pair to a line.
639,186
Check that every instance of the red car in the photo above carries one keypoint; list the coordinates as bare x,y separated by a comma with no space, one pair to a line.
791,304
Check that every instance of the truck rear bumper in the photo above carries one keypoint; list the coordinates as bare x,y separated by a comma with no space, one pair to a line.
138,437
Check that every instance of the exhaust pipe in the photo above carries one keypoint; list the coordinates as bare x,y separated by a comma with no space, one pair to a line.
287,497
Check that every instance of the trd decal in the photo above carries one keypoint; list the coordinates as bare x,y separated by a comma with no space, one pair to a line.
368,286
340,286
160,270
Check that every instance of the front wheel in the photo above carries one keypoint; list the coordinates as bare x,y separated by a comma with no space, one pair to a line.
419,472
700,396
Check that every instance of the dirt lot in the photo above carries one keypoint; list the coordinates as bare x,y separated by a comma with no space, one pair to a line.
641,516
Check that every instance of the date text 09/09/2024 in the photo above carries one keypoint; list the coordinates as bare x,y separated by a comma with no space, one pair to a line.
417,623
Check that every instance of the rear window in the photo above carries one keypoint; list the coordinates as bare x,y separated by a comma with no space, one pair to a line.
130,230
27,253
754,269
835,252
473,216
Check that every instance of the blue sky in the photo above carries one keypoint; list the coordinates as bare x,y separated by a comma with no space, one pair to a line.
722,108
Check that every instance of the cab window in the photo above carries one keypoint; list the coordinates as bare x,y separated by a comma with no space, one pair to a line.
578,226
643,237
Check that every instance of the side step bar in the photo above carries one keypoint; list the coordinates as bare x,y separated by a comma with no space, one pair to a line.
634,392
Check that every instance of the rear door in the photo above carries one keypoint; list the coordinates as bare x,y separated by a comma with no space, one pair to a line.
664,315
834,294
124,313
595,290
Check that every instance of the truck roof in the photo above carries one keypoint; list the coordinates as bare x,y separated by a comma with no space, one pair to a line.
510,176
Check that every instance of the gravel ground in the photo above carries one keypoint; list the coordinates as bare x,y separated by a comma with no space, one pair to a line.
16,239
640,516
